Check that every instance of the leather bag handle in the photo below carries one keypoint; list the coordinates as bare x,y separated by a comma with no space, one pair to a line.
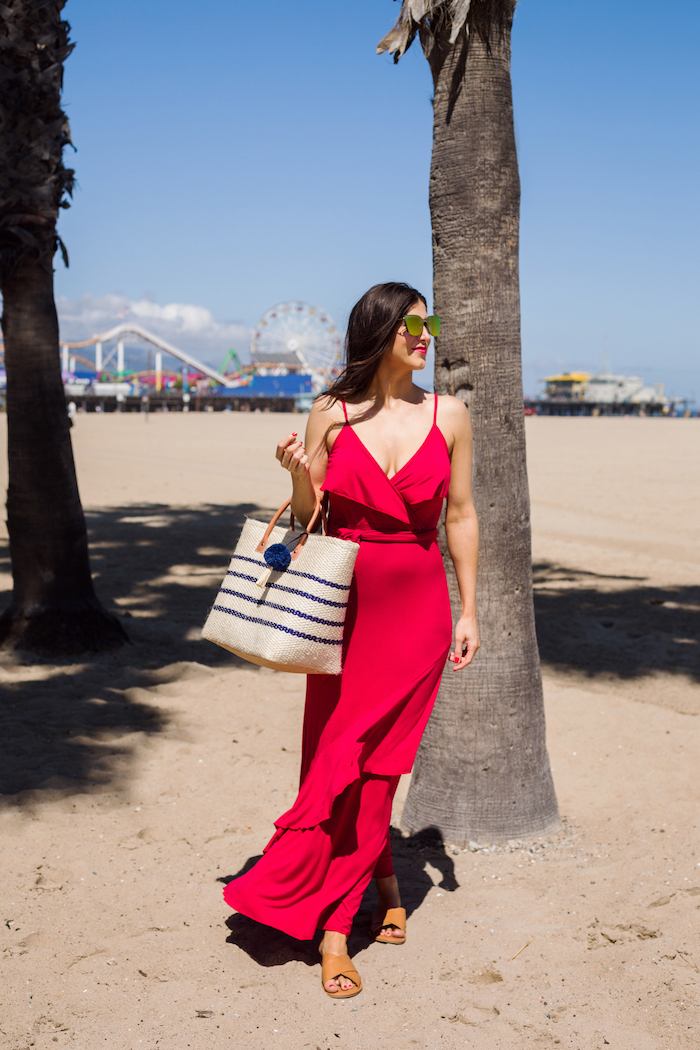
318,509
324,510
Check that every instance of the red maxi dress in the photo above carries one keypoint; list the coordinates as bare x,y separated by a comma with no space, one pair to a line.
362,728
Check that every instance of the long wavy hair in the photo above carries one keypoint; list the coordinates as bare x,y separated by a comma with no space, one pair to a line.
372,326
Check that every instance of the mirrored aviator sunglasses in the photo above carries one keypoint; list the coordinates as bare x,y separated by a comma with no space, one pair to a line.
414,324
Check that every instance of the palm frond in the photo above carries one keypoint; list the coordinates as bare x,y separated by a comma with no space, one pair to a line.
418,15
34,130
427,17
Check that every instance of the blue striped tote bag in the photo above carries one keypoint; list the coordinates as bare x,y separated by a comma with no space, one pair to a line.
283,600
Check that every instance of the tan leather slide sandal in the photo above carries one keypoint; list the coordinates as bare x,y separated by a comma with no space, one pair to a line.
395,917
333,967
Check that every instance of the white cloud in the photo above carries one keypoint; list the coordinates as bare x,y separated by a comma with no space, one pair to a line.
186,317
185,325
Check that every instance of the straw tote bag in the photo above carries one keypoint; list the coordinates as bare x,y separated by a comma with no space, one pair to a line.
283,600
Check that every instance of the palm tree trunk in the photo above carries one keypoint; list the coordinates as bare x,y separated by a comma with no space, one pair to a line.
54,608
482,771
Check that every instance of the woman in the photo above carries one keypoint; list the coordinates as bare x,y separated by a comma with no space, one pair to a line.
387,454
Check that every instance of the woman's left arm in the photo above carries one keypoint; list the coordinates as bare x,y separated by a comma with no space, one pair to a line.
462,529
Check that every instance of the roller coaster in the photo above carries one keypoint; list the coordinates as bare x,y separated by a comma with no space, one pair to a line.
293,339
115,357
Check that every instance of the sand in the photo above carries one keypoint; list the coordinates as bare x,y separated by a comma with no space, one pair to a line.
135,785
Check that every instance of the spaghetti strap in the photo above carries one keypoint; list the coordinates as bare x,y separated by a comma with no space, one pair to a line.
345,410
435,411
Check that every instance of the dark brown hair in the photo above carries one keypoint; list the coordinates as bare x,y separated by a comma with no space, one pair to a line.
373,322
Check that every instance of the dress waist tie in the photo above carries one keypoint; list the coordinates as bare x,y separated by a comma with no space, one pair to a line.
373,536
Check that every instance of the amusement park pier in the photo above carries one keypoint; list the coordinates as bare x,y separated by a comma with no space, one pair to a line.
294,353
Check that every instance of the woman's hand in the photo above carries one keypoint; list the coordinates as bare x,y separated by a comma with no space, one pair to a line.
292,455
466,642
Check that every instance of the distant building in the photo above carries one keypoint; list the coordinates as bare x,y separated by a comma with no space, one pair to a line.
569,386
603,389
293,384
279,363
609,389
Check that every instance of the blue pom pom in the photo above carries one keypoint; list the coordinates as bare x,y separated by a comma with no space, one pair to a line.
277,556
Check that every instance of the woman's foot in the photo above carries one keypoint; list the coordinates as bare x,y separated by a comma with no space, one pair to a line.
337,944
389,897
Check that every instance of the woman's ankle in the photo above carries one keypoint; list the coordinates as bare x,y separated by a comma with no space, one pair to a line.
388,892
333,942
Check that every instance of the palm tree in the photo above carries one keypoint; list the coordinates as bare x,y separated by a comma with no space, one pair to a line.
482,771
54,609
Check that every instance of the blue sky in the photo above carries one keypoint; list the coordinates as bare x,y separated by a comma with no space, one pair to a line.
230,156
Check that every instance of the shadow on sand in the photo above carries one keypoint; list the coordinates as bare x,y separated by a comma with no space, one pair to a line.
72,727
268,947
615,625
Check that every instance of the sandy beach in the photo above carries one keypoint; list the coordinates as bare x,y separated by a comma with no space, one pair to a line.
136,784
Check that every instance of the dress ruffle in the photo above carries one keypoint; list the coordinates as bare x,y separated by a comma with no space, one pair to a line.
383,741
399,497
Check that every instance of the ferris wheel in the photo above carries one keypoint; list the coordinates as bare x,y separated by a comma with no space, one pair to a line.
296,330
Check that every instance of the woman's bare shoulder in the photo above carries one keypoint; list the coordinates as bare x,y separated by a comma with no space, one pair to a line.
452,409
325,422
326,410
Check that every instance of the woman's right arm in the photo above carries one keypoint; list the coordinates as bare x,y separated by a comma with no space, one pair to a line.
307,461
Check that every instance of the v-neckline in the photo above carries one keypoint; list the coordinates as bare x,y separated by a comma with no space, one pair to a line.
375,460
